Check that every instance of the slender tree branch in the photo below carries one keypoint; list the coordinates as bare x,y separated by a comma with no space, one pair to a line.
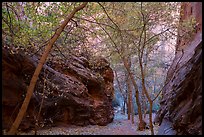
171,77
108,15
95,22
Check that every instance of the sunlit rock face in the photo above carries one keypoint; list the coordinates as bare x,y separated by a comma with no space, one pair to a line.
181,104
75,92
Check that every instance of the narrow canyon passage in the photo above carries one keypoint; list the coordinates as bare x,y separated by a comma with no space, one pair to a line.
102,68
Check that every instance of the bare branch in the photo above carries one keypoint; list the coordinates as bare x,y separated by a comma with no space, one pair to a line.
108,15
170,79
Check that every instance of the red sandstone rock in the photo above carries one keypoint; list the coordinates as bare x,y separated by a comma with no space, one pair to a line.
181,104
74,93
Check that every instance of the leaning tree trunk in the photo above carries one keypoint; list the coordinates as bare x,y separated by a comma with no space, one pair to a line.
31,87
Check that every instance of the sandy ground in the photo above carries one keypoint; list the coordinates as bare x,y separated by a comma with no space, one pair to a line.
119,126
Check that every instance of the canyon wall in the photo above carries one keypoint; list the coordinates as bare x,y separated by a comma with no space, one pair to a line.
181,104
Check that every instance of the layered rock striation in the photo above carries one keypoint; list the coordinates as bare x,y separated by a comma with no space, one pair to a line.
181,104
73,92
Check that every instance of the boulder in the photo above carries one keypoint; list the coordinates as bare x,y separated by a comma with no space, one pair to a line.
71,92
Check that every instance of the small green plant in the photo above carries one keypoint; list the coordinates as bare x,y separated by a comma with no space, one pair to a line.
187,28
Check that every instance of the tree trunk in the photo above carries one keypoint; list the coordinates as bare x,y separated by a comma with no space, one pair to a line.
144,104
132,113
132,108
150,118
130,100
129,97
147,95
141,125
121,91
31,87
124,106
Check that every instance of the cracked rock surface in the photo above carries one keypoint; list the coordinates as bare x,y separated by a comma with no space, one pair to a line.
73,92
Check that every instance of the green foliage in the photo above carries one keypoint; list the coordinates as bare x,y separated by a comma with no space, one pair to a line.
32,24
111,29
187,28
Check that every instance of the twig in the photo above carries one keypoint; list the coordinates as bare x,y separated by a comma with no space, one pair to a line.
171,77
36,124
108,15
60,51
